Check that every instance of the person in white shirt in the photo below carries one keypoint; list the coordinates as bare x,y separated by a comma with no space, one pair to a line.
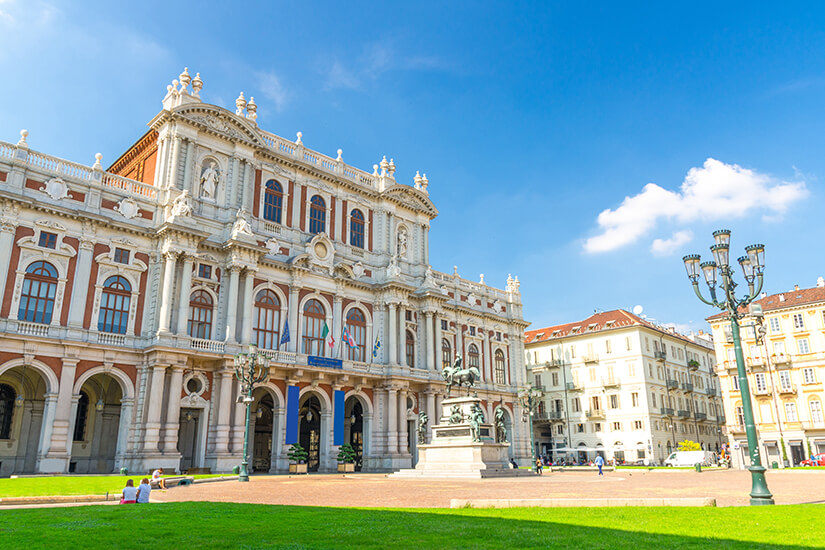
129,493
143,491
156,477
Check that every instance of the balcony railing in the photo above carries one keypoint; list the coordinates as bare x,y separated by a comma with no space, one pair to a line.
595,414
701,416
548,415
574,386
591,358
736,428
111,339
208,345
278,356
787,390
687,386
756,362
684,413
781,360
672,385
761,391
660,355
554,363
666,411
693,364
32,329
710,391
610,382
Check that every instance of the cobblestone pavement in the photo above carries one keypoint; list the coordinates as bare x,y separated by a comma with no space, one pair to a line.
729,488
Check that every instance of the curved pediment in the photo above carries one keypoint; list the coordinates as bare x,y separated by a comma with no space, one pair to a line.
219,121
411,198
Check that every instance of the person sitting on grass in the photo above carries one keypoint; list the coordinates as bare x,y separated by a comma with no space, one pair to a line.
157,479
129,495
143,491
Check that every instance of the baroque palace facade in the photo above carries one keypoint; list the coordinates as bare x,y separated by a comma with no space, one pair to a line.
127,292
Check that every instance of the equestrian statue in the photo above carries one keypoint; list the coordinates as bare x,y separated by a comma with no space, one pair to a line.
456,375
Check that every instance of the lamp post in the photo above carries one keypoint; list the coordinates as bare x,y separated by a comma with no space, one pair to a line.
530,397
752,265
250,369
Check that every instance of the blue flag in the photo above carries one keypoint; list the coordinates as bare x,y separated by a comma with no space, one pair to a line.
285,335
376,347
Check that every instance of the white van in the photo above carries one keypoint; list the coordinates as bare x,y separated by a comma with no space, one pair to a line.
691,458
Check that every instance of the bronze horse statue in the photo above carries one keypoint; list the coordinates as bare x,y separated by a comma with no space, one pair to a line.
456,375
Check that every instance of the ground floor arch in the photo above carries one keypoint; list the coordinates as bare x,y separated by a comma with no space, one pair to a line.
95,424
312,425
24,418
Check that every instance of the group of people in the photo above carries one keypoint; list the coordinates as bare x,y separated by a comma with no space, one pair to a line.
140,494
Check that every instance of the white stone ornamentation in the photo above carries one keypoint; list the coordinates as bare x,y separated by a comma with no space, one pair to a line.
127,208
358,270
274,246
56,188
393,270
182,206
241,225
210,179
401,242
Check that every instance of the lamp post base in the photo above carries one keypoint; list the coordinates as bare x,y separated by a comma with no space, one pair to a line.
760,495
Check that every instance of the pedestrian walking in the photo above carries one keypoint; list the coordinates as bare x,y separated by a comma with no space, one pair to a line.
599,462
539,467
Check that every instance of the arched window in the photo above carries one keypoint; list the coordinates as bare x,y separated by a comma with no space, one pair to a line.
357,328
314,321
37,298
356,229
446,353
472,356
267,319
81,417
410,348
273,199
114,305
317,215
200,315
499,362
7,397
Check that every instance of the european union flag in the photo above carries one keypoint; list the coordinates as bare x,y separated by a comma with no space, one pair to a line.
285,335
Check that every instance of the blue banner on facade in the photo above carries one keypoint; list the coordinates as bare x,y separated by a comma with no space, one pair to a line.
292,398
338,418
325,362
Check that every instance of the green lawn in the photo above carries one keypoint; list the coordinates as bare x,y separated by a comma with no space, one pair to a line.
67,485
218,525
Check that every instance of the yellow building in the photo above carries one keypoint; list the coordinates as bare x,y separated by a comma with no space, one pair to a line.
784,351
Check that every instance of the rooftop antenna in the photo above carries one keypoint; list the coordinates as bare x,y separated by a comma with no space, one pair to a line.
637,310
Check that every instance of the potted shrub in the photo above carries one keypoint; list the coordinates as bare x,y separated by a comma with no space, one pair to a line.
346,458
297,459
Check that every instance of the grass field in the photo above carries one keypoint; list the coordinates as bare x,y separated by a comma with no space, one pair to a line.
67,485
217,525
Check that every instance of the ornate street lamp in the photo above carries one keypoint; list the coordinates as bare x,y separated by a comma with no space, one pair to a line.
250,369
530,398
752,265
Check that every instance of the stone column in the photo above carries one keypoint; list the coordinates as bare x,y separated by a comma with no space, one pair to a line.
233,182
170,436
164,321
173,170
293,319
438,338
7,230
338,327
58,451
232,303
439,406
485,344
428,331
248,308
187,166
83,269
183,297
224,408
392,343
238,424
401,339
403,434
431,412
151,439
392,420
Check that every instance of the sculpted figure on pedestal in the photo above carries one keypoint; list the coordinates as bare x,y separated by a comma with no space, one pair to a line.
210,178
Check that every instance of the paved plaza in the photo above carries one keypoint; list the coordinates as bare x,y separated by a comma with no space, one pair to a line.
729,488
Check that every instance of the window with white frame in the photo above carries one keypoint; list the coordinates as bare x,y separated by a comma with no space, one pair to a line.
638,425
608,348
816,411
773,323
802,346
634,399
798,321
740,415
808,376
779,348
734,383
761,385
785,380
628,342
731,354
790,411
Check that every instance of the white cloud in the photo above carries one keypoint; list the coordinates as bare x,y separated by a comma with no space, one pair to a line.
666,247
272,89
375,60
711,192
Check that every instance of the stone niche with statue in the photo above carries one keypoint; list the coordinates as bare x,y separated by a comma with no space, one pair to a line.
464,444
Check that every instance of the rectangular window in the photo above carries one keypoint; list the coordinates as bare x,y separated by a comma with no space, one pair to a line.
580,428
577,407
731,355
48,240
204,271
631,370
538,380
761,385
634,399
498,337
773,322
597,427
652,399
614,401
779,348
734,383
443,324
573,351
802,346
121,256
560,429
408,317
592,373
816,412
798,321
785,380
628,343
617,426
595,403
808,376
647,343
638,425
680,354
607,347
555,377
790,412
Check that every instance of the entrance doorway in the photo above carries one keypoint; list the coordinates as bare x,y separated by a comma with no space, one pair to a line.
355,419
310,431
188,438
262,446
797,452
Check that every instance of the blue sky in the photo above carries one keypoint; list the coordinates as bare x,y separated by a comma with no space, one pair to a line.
530,120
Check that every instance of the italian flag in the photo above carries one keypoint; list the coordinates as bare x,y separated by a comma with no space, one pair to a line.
327,336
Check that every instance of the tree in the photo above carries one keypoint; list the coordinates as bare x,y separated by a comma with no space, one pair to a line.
347,454
297,454
688,445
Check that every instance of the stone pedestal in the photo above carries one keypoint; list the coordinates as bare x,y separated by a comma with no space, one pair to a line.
453,453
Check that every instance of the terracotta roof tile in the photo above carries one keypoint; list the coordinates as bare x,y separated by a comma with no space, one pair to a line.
792,298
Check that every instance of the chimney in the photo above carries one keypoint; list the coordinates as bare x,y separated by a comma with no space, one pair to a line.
820,282
796,287
781,297
764,295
